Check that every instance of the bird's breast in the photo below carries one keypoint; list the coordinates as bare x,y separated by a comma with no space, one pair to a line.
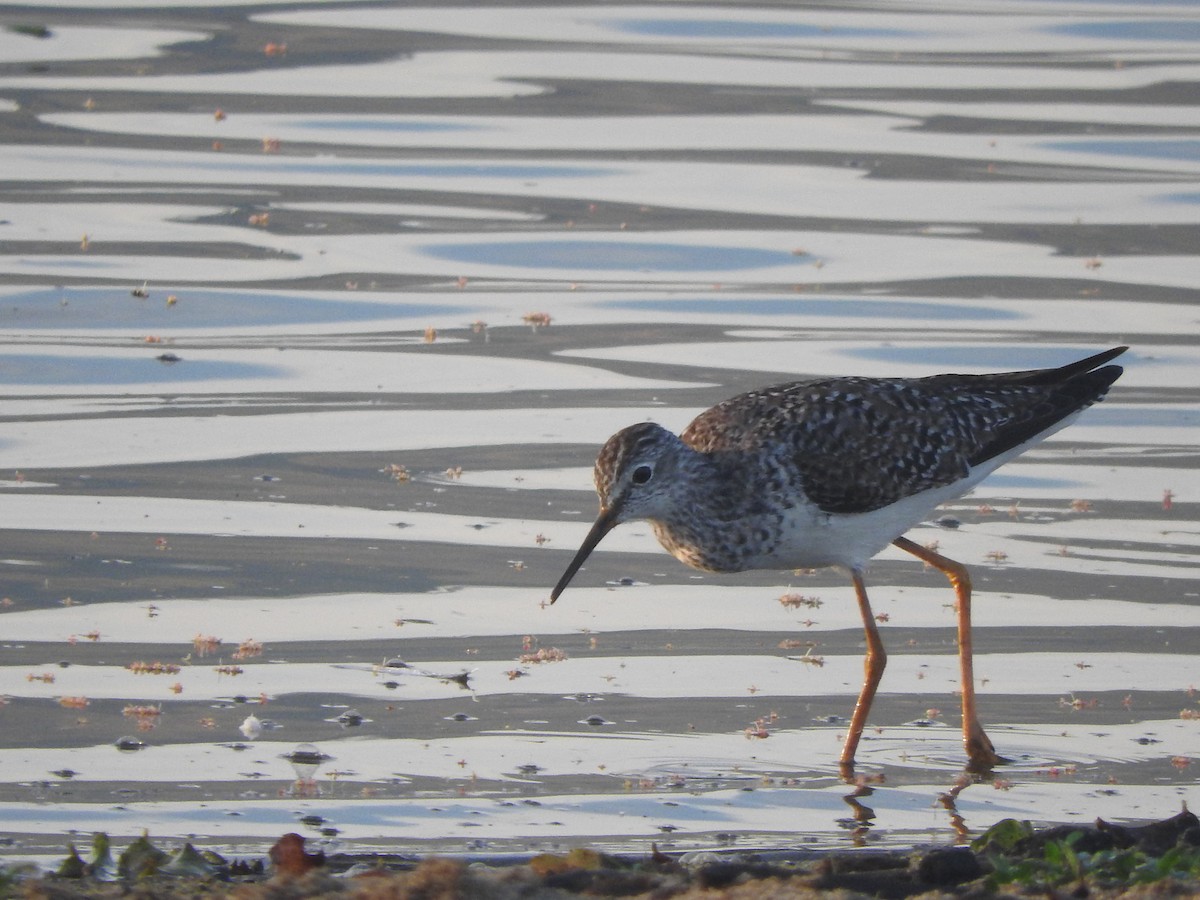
760,540
698,548
802,537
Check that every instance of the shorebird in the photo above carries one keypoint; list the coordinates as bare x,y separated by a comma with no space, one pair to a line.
828,472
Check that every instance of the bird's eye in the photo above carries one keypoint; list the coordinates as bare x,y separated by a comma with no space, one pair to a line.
642,474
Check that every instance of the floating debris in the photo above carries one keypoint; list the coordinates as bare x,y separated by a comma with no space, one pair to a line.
251,727
462,679
206,644
543,655
351,718
141,711
306,755
809,659
248,648
397,473
153,668
795,601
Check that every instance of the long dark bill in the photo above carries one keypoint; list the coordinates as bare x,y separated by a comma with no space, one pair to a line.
603,525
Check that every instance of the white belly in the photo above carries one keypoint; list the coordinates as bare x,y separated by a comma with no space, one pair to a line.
812,539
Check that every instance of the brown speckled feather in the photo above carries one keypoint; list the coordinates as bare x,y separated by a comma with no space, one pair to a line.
859,444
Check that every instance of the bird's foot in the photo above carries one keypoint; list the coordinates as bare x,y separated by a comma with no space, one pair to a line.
981,755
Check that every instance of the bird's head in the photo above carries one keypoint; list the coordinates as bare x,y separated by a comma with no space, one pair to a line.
633,478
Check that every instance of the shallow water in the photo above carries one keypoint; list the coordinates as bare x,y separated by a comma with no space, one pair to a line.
245,355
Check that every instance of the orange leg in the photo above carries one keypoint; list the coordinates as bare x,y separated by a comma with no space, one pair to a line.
873,665
979,748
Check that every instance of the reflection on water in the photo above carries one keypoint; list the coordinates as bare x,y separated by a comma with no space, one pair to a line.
741,29
449,171
818,306
996,355
1148,148
1005,482
100,307
1174,417
379,124
1165,29
334,480
1182,197
614,256
29,371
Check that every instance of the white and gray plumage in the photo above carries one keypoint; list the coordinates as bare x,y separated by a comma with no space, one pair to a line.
828,472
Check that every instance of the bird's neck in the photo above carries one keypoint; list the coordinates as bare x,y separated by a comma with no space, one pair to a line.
704,503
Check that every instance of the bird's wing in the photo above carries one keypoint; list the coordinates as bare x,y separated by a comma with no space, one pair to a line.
859,444
854,444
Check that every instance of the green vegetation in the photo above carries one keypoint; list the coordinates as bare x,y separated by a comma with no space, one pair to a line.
1062,864
1079,856
1011,859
